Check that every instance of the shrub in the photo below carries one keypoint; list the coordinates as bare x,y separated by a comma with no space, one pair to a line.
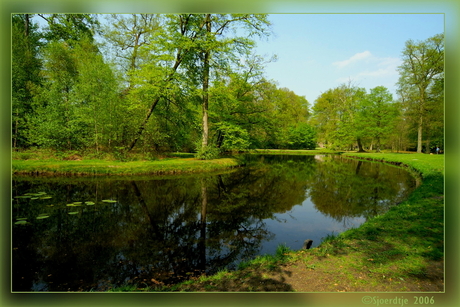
206,153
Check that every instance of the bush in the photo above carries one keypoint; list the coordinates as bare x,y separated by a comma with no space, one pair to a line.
206,153
235,138
120,153
302,137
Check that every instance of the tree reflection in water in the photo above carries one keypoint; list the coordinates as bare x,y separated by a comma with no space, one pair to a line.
168,230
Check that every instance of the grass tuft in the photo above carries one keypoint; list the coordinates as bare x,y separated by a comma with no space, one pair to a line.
49,164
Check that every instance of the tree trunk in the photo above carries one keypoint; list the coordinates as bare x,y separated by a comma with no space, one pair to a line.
220,139
419,135
360,146
144,122
204,142
179,57
155,102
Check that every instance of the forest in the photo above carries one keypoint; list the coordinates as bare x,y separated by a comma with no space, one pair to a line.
156,83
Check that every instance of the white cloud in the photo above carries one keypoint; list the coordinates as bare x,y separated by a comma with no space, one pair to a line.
386,67
357,57
376,68
395,62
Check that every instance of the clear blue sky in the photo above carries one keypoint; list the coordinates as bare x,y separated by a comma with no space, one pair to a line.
317,52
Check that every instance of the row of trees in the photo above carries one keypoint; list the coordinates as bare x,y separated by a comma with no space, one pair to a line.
149,82
191,82
347,117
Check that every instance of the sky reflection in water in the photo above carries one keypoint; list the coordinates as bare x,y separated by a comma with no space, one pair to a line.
166,230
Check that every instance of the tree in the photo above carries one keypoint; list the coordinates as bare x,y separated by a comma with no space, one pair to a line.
283,111
237,112
126,35
53,122
26,66
378,115
96,99
158,75
77,104
134,44
325,117
216,51
70,28
302,136
336,116
423,64
190,47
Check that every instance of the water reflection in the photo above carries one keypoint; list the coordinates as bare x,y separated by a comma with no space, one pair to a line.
167,230
344,188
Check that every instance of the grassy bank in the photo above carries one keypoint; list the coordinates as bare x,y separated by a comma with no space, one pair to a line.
73,163
70,164
401,250
425,165
317,151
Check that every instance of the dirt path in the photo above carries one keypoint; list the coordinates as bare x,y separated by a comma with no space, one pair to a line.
322,275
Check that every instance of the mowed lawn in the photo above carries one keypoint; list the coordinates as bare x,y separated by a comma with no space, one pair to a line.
102,167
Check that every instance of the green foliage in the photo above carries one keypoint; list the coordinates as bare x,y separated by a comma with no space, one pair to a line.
77,105
70,27
282,252
302,137
206,152
120,153
378,116
348,117
248,103
336,116
421,76
25,74
147,88
158,59
235,137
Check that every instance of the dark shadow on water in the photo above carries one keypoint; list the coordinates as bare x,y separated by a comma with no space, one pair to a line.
162,231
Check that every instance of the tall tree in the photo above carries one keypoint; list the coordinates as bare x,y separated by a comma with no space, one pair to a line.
336,116
423,64
325,117
53,123
190,47
96,97
434,123
26,66
126,35
206,59
77,104
70,27
216,50
378,115
157,76
238,112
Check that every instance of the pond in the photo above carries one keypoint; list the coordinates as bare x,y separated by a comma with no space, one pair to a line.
82,234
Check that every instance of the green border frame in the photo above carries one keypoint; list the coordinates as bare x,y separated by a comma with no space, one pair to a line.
451,11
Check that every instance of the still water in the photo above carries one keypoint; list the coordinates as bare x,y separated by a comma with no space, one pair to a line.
81,234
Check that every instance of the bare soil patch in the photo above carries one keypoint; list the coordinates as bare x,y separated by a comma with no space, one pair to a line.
320,275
